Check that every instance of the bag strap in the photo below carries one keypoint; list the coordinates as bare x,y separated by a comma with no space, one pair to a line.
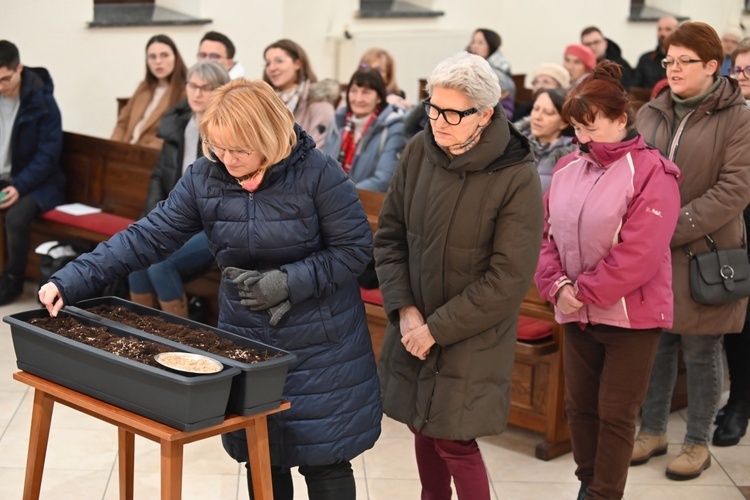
710,243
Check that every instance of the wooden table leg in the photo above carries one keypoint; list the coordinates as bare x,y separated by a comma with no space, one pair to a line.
126,459
260,461
40,424
171,470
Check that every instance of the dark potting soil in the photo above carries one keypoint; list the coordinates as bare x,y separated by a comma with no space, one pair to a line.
201,338
98,336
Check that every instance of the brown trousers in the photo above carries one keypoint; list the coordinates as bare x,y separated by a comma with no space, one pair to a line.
607,370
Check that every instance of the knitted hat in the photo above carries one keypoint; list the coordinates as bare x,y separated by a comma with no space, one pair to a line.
734,31
554,71
583,53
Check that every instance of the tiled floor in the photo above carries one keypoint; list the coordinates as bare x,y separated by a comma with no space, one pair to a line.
81,461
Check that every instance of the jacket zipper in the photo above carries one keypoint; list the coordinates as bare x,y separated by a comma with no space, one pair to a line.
677,136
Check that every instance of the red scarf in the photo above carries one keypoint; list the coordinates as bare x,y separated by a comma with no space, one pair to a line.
348,144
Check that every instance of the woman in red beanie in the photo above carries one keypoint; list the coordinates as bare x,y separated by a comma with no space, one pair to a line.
579,61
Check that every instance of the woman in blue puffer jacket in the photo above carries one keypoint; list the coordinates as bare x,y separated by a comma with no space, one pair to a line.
287,227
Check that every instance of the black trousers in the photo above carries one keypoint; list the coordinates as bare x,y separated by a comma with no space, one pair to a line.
324,482
737,346
18,220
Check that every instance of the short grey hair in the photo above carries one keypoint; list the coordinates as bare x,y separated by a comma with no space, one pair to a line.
211,72
469,74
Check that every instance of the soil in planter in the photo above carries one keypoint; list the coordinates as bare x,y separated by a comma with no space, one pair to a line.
201,338
139,350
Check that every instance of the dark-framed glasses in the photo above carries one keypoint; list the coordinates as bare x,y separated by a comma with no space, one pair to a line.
680,61
202,88
222,152
451,116
736,71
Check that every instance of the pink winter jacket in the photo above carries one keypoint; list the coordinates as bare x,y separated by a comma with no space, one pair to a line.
609,218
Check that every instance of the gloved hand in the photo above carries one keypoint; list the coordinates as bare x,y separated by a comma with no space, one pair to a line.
268,290
244,279
278,311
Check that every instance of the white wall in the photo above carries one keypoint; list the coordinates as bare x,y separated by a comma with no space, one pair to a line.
91,67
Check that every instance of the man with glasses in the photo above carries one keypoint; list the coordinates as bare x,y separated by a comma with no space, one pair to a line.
604,48
218,47
649,70
31,180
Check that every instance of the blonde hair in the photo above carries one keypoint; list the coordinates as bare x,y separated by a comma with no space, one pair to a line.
380,56
251,114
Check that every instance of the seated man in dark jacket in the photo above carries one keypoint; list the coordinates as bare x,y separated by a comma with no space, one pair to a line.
31,180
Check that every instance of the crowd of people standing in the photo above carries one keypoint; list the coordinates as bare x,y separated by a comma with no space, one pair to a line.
601,208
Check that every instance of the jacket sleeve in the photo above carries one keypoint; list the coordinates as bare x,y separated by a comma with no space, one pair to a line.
391,245
48,149
727,198
644,239
346,235
387,160
145,242
550,275
498,293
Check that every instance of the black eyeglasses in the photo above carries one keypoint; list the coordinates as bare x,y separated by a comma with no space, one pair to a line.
451,116
736,71
680,61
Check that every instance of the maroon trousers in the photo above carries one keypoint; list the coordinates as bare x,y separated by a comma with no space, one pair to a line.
439,460
607,370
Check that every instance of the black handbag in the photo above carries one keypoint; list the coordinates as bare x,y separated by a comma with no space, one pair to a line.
719,276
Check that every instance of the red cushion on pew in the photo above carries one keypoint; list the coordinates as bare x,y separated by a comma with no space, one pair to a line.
102,223
371,296
533,329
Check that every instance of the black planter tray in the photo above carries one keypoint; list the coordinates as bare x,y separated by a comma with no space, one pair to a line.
259,386
184,402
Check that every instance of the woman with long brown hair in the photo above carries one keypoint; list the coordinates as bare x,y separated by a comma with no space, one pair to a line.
162,88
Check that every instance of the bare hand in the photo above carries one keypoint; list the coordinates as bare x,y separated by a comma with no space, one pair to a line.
50,298
418,341
409,319
11,196
567,301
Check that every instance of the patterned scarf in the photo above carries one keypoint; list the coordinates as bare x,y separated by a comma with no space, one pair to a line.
292,96
250,182
350,140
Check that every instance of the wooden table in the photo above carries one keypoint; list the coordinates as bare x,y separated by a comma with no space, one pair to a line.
47,393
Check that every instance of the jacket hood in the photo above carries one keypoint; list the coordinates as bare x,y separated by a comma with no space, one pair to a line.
606,153
301,149
499,146
613,50
726,95
33,79
497,60
175,119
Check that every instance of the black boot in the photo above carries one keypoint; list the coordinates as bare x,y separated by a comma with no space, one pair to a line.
11,287
733,426
582,491
720,415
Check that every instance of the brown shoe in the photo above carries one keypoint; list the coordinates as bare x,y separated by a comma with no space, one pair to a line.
647,446
689,463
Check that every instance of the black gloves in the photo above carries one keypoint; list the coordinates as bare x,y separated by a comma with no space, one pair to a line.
268,290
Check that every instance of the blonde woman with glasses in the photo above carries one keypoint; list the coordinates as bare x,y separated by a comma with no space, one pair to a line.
286,226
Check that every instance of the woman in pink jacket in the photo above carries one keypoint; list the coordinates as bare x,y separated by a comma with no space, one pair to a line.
606,265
